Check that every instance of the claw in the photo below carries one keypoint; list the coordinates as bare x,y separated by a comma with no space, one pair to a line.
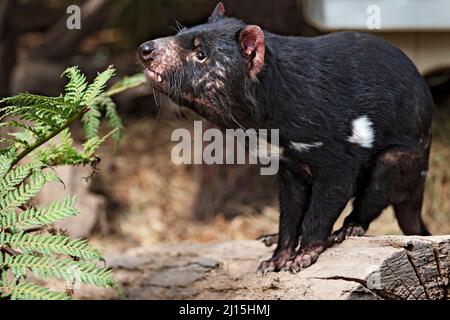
351,230
304,259
265,267
275,264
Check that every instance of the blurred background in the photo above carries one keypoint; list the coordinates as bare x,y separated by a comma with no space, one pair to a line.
139,196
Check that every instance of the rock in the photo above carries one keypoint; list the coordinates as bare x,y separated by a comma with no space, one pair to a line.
91,206
369,268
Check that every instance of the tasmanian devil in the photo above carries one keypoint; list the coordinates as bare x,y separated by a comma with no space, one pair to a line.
353,113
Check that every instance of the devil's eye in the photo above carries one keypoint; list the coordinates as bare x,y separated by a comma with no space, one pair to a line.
200,56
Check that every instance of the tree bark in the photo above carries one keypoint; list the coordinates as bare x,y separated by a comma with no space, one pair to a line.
369,268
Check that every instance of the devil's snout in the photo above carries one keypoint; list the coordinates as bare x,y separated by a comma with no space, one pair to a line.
146,51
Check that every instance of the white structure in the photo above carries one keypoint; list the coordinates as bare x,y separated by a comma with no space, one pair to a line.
421,28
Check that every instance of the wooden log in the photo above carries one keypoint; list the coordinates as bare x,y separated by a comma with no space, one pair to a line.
388,267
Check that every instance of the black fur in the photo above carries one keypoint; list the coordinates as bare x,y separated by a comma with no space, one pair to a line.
312,89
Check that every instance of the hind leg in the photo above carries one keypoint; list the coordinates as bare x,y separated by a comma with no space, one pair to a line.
395,177
409,218
407,202
371,199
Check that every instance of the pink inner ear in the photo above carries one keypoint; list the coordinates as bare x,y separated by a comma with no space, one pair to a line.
221,9
252,42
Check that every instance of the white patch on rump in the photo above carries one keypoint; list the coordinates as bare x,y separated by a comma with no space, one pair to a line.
301,147
362,132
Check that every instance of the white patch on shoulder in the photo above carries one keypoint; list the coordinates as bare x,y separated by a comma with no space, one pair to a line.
302,147
362,132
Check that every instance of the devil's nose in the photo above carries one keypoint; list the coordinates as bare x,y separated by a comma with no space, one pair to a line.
146,50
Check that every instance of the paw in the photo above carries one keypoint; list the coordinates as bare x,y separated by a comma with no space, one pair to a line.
350,230
304,259
273,265
269,240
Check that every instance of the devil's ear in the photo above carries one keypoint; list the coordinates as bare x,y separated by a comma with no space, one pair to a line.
218,13
254,48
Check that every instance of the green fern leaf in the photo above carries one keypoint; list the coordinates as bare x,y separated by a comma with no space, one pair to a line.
37,133
90,147
114,121
127,83
31,291
5,165
4,280
36,217
46,111
26,191
76,86
61,154
91,122
30,243
66,269
40,119
96,88
16,176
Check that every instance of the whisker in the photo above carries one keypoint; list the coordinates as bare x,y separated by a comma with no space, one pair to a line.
179,25
154,96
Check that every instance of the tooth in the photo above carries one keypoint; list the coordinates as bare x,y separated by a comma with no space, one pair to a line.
160,79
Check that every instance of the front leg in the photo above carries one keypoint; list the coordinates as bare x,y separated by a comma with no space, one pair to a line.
330,194
294,195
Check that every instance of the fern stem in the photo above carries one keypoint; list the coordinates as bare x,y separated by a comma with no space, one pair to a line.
42,141
10,251
118,90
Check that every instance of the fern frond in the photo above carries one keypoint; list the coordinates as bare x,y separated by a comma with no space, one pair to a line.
114,121
22,139
16,176
26,102
4,281
36,217
14,124
90,147
39,120
31,291
5,165
46,111
30,243
26,191
96,88
60,154
127,83
26,99
66,154
76,86
91,121
67,269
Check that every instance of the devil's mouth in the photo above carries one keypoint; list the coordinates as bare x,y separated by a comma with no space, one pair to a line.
154,76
